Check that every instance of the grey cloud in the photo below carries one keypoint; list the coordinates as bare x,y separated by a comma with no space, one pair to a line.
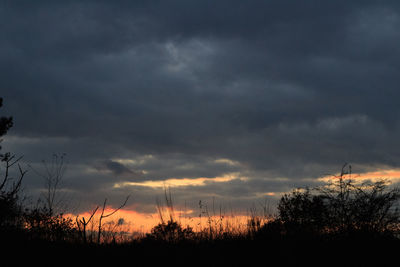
116,168
286,88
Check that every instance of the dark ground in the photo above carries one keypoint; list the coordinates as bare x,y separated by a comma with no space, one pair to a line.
279,252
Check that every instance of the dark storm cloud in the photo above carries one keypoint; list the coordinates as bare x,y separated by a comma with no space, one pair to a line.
282,88
115,167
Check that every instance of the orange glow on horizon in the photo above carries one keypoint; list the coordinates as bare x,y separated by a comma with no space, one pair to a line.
392,176
135,221
142,223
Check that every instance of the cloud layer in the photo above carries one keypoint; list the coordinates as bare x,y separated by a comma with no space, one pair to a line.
277,92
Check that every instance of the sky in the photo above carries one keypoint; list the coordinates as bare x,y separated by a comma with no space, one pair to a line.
234,102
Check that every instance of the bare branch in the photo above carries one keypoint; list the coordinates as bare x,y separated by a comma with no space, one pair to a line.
53,174
82,222
120,207
9,163
102,216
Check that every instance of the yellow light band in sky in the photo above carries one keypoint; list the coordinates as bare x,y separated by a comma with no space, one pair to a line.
392,175
175,182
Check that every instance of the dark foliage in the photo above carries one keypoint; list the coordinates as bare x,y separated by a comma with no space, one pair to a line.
171,232
10,208
342,208
5,122
40,224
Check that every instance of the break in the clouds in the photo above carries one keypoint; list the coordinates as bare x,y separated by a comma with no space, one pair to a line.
271,94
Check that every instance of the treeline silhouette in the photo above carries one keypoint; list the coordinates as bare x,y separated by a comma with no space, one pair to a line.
343,223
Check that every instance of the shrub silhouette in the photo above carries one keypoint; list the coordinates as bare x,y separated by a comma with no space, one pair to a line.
302,210
41,224
342,207
171,232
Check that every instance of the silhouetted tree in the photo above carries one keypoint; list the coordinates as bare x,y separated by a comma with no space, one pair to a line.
53,175
10,185
5,123
342,207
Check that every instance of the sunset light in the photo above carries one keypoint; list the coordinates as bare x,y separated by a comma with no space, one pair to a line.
209,132
173,182
393,176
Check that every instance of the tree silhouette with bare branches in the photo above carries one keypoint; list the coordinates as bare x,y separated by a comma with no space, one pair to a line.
343,207
10,184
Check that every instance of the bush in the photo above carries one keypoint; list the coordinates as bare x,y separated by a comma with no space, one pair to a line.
302,209
342,207
171,232
42,225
